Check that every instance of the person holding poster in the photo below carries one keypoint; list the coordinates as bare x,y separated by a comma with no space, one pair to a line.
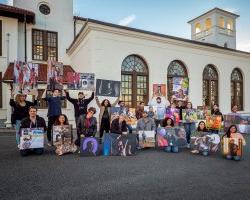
234,109
216,111
80,104
20,111
54,109
86,125
140,110
145,123
119,125
105,114
233,134
180,96
189,125
33,121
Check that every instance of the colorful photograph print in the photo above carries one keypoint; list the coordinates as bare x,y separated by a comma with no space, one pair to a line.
180,83
146,139
232,146
205,141
214,122
25,78
119,145
171,137
189,115
174,114
55,75
32,138
159,90
90,147
80,81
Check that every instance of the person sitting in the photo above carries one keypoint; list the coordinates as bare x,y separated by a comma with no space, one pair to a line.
232,133
168,122
145,123
86,125
151,112
119,125
201,129
65,144
33,121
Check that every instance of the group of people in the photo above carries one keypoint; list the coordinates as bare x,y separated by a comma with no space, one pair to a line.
25,116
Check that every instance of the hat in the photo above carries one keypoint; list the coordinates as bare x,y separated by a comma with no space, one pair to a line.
80,93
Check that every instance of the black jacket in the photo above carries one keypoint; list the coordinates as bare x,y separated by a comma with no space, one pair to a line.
82,129
115,128
80,106
217,112
20,112
40,123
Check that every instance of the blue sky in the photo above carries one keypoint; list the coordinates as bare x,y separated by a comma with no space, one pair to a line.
164,16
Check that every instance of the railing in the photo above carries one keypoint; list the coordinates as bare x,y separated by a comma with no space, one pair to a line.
226,31
203,34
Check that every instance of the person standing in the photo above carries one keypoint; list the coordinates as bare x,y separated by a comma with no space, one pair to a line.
80,104
140,110
105,114
20,111
33,121
54,109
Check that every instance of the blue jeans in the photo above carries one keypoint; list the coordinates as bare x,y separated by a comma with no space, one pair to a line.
236,158
17,128
174,149
189,128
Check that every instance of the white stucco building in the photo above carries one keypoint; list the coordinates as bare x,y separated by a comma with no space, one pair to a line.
217,72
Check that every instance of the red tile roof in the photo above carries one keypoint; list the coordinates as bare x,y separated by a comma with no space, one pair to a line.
18,13
42,73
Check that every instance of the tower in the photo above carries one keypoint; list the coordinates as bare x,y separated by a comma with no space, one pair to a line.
216,26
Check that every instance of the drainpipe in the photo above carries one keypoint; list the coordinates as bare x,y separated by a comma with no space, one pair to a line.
8,48
25,39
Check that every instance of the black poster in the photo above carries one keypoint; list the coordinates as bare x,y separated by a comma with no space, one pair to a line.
107,88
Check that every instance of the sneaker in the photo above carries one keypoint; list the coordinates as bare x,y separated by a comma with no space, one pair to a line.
18,146
195,151
188,146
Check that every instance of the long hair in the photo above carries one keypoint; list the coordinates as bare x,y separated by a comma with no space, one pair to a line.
164,122
102,104
190,103
205,128
213,111
228,133
57,122
17,99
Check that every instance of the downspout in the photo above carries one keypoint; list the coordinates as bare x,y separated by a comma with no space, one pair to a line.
25,39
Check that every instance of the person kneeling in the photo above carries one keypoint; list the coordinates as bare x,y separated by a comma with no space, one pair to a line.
86,125
33,121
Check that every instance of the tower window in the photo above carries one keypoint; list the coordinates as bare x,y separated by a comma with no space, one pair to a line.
44,9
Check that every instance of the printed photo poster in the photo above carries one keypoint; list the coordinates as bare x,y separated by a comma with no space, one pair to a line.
32,138
175,136
159,90
131,117
115,113
174,114
205,141
80,81
107,88
189,115
63,139
90,147
180,83
242,121
214,122
150,108
232,146
25,78
119,145
146,139
201,113
55,75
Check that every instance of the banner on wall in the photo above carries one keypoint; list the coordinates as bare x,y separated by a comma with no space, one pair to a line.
159,90
80,81
180,83
107,88
25,78
54,75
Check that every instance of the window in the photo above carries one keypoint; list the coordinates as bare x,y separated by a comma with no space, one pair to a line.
221,22
230,24
208,23
1,91
1,43
44,45
134,76
43,104
237,89
197,28
210,86
44,9
175,69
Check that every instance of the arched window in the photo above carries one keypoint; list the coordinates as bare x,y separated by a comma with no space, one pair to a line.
134,80
237,89
197,28
175,69
221,22
208,23
210,86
